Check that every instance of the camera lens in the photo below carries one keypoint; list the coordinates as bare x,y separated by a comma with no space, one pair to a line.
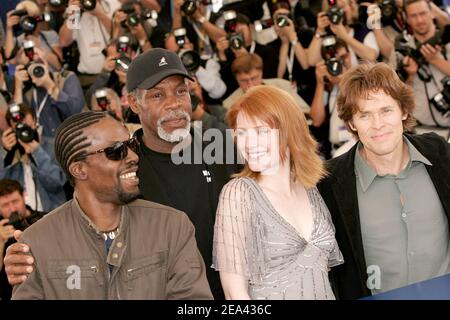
88,5
133,20
28,24
57,3
36,70
189,7
123,63
334,66
282,21
190,59
24,132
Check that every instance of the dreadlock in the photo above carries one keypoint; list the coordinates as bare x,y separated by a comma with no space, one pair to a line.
70,140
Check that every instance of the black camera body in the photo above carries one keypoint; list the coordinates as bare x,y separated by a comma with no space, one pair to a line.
334,13
57,4
29,24
190,58
282,20
441,101
88,5
16,221
334,64
236,39
23,132
189,7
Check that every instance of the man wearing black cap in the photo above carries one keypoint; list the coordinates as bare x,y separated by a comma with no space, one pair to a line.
159,94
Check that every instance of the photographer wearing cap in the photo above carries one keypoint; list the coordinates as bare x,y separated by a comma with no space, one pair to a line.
32,22
24,159
54,96
327,128
14,215
423,63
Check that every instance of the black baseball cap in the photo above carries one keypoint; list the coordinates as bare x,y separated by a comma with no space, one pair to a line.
152,66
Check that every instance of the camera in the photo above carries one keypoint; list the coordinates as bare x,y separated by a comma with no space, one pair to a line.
236,39
123,63
35,69
29,24
334,64
189,7
23,132
57,3
16,221
441,101
88,5
282,20
189,58
263,24
123,45
28,48
102,99
334,13
388,11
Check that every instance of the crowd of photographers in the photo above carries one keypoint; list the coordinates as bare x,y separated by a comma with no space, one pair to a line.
60,57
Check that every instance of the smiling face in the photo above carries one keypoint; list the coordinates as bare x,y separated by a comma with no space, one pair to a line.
112,181
379,124
258,143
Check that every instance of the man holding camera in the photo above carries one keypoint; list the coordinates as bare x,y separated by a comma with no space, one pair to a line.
91,31
25,160
53,95
14,215
337,21
427,66
327,128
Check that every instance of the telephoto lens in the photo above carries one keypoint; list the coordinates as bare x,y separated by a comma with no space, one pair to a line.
282,20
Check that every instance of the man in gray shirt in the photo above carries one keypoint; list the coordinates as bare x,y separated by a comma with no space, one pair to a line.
389,195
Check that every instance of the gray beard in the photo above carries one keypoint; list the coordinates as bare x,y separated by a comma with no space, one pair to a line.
178,134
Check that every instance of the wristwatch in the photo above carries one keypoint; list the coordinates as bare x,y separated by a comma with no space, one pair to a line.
294,42
201,20
317,35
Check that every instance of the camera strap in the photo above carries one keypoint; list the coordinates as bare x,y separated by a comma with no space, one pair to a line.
290,62
252,47
41,105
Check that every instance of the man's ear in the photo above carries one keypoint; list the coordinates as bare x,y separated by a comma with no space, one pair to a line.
78,170
404,116
351,126
133,103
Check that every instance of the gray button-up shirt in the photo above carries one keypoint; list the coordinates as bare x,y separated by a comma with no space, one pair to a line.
403,224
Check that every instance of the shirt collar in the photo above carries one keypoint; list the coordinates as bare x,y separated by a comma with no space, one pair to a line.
366,174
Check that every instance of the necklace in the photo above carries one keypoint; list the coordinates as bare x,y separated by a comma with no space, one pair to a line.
110,234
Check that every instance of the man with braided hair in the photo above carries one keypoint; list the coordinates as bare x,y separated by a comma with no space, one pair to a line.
105,244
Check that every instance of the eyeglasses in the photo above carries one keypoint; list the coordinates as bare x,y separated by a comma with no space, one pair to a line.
118,151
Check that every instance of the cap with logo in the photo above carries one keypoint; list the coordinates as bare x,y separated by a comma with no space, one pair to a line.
149,68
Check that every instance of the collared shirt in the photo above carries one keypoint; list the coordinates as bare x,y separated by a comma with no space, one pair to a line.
403,224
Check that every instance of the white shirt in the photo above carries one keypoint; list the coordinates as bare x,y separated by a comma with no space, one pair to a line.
92,38
31,194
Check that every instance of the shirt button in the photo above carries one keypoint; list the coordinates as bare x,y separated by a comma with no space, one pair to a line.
119,244
115,255
403,215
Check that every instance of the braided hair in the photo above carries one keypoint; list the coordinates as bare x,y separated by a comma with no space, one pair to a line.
71,142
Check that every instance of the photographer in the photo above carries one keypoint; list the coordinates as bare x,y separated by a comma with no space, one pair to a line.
28,18
361,43
425,65
207,70
327,128
239,41
14,215
54,96
25,160
91,31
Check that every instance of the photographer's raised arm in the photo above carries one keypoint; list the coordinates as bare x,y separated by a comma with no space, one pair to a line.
11,21
20,77
433,56
317,113
313,51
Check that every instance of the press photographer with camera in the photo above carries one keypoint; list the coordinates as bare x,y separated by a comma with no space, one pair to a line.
28,19
337,20
88,23
424,64
14,215
239,41
53,95
207,71
23,158
327,128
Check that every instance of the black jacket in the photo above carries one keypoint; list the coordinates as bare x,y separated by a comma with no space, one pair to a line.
339,192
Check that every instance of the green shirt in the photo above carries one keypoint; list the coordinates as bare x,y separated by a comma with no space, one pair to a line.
403,224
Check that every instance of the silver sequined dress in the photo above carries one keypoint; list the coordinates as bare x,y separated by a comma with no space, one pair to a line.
251,239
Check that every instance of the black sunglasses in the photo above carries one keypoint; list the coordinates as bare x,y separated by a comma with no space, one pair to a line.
118,151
